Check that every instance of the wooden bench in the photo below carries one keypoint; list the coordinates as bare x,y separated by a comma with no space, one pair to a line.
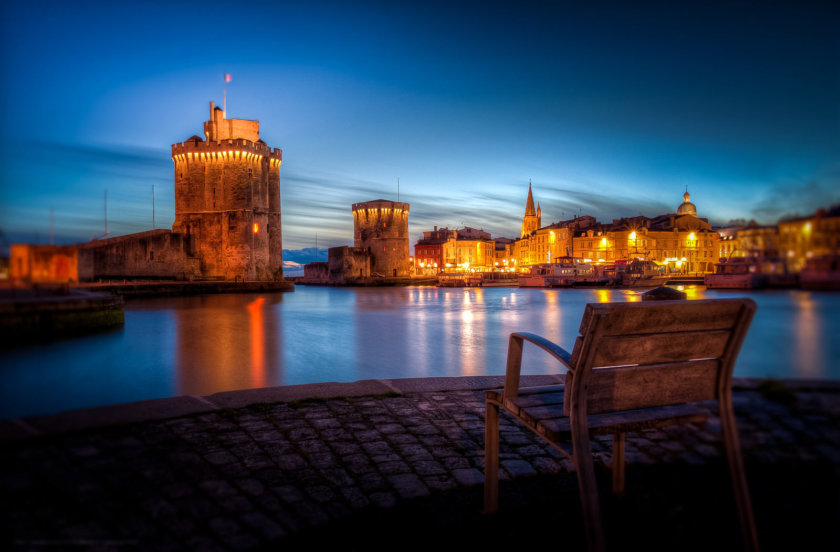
634,366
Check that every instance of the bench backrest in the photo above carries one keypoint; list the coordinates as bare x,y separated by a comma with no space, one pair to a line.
639,355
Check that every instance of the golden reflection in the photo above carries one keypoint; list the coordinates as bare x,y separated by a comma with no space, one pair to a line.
631,296
602,295
553,320
223,342
257,327
808,337
693,292
472,336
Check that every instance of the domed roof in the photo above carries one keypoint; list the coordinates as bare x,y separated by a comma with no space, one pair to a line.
687,207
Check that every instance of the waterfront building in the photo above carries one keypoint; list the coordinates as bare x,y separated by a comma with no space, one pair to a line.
428,251
43,263
681,240
463,250
469,250
803,238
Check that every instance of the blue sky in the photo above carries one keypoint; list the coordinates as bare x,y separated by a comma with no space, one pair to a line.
609,109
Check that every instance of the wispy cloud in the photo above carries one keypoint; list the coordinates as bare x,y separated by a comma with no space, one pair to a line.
795,198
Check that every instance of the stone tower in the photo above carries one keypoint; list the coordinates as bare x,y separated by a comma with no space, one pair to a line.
381,227
532,219
227,200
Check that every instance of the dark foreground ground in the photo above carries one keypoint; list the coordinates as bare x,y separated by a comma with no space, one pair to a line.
402,470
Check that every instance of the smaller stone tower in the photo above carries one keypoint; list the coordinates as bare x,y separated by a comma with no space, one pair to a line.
381,227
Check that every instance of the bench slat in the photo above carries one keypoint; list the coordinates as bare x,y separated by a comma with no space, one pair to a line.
659,348
660,316
558,429
634,387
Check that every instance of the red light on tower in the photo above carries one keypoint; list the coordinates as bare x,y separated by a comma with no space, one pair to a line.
256,228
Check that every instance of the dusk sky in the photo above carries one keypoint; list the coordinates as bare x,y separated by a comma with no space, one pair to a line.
609,110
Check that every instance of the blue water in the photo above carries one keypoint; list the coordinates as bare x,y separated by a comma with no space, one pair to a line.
202,345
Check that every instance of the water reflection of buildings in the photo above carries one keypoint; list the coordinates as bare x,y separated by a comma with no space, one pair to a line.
808,329
381,332
224,344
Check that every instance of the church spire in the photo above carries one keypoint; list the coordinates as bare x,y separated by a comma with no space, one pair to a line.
529,205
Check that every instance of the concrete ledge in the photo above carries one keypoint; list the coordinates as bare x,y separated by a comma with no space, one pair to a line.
288,393
118,414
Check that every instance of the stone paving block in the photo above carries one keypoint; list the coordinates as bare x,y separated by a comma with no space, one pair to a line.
320,493
290,462
439,483
393,467
518,468
408,485
428,467
468,476
221,457
384,499
204,543
358,464
288,493
310,513
367,435
258,522
251,486
355,497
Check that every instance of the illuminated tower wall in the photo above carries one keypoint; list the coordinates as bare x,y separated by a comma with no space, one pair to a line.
381,227
227,200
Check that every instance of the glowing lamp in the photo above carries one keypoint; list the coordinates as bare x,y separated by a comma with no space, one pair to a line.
632,235
256,228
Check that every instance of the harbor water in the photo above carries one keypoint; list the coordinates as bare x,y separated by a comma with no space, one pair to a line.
200,345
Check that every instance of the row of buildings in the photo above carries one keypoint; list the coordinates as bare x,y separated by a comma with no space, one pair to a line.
228,227
681,241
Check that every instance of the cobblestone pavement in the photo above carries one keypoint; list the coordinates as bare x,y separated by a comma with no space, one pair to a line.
396,470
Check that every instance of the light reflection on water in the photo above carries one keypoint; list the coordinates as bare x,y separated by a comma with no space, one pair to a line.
202,345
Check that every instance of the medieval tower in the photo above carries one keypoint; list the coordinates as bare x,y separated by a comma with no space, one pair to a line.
533,217
381,228
227,200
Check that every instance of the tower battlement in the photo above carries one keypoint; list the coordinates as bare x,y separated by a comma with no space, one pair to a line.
224,150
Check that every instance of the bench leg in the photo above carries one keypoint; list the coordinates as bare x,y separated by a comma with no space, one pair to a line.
491,458
588,488
618,477
736,470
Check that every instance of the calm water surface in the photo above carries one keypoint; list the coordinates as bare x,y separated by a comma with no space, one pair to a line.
202,345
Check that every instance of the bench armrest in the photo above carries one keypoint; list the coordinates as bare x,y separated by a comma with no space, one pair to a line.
514,360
